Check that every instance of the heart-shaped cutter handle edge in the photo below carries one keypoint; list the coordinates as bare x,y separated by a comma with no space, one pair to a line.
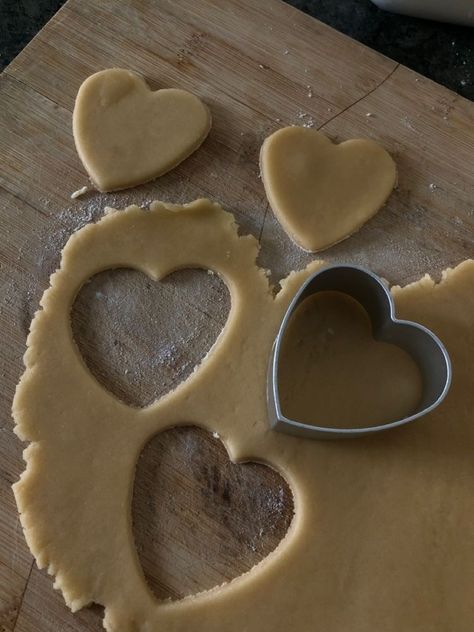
423,346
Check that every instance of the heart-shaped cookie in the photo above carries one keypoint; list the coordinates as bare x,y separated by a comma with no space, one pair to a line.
125,134
320,192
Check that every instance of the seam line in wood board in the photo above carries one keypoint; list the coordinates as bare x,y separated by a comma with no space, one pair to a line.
23,596
20,199
179,18
379,85
263,222
14,78
202,311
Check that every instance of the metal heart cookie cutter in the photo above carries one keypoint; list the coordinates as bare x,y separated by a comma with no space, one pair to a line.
421,344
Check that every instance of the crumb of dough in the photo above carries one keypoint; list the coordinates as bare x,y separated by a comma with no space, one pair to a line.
79,192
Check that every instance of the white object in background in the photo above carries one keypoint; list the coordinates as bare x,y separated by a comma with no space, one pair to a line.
458,11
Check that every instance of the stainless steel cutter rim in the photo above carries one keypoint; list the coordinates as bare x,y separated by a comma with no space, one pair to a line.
280,422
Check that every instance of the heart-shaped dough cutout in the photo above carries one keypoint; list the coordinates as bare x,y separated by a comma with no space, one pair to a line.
320,192
125,134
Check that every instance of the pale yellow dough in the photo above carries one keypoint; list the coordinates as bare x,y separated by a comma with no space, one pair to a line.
353,381
320,192
382,539
125,134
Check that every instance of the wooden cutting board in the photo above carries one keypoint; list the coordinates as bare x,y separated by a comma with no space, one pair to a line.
259,66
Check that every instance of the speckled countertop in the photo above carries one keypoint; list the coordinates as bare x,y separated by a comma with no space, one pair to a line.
443,52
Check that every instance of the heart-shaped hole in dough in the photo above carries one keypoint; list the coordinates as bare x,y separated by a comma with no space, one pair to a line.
334,374
200,520
141,338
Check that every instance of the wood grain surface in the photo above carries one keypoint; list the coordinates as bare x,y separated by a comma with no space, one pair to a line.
259,66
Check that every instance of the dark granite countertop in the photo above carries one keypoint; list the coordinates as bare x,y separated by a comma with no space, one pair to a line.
443,52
